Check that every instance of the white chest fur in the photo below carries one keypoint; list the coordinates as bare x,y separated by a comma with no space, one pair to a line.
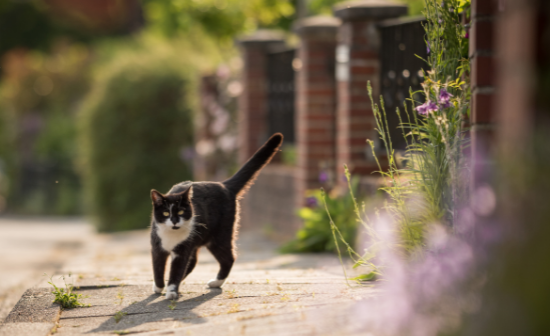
169,237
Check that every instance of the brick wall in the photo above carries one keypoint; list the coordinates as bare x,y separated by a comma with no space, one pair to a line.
253,99
315,104
358,62
482,37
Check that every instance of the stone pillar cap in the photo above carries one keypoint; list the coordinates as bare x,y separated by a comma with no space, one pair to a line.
262,36
369,9
317,22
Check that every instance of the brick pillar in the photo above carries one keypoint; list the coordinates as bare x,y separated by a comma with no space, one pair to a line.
483,13
315,104
358,62
253,99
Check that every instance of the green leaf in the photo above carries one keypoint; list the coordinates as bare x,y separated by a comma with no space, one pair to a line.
365,277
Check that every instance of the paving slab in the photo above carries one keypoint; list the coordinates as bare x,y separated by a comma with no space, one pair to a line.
32,246
266,294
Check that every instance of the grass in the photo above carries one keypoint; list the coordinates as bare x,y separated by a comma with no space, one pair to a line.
66,297
120,296
173,304
119,315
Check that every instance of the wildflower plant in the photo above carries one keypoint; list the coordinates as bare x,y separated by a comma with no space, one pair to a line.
429,189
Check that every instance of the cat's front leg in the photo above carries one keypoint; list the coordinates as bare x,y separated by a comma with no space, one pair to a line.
180,261
159,266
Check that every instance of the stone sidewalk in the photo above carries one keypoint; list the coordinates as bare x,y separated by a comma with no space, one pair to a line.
266,294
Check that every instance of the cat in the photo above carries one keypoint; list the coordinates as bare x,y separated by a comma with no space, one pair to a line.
196,214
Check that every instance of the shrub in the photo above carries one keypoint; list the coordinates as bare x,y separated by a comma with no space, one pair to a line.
133,125
316,234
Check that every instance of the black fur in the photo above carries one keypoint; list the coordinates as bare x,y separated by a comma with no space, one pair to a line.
214,207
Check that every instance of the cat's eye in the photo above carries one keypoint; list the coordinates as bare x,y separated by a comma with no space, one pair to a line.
166,214
181,212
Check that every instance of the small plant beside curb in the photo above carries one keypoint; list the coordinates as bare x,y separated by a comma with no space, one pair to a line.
119,315
65,296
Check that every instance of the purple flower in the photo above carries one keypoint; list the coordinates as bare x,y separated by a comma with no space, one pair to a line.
425,108
444,97
428,47
467,34
323,177
311,202
432,106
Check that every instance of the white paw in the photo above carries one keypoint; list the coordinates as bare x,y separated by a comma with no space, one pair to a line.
171,293
215,283
156,289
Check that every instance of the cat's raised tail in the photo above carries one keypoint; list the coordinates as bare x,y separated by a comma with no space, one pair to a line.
244,178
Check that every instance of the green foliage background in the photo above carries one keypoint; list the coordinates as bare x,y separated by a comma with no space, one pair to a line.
133,124
316,233
42,89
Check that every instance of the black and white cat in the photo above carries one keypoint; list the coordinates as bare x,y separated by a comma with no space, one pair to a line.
196,214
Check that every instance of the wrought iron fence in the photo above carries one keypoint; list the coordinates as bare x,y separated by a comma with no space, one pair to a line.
402,45
281,93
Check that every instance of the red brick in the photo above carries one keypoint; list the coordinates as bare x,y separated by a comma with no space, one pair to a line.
481,36
482,108
483,7
482,71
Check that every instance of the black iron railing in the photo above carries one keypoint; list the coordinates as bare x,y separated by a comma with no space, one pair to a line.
402,43
281,94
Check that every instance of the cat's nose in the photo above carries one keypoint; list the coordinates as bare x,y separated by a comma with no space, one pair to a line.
174,220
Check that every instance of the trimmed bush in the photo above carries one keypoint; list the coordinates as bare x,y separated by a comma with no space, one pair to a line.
133,126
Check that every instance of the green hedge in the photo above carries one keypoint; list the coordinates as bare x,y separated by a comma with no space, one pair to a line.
133,126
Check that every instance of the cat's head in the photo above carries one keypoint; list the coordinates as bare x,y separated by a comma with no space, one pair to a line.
172,210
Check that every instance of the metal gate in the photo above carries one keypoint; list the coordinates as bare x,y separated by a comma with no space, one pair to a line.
281,93
402,43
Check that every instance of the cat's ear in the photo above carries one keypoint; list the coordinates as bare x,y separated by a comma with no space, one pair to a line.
187,195
156,197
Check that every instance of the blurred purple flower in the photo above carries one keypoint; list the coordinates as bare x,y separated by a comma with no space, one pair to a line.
444,98
311,202
425,108
428,47
323,177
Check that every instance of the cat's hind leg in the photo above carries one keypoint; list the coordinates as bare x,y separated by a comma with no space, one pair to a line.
192,262
225,256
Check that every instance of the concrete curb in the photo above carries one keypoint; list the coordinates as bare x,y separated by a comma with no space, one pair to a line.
34,314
